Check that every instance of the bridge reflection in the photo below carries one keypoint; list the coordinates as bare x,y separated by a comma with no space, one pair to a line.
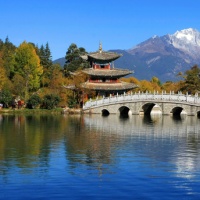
162,126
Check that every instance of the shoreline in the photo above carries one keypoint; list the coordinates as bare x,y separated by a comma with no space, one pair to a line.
40,111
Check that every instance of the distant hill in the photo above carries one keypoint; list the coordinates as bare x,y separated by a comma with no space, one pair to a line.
60,61
163,57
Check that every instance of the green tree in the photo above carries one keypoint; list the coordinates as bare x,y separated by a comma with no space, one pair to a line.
50,101
5,98
8,50
192,80
33,101
45,56
74,60
27,64
46,62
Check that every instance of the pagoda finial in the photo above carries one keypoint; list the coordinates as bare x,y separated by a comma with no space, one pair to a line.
100,47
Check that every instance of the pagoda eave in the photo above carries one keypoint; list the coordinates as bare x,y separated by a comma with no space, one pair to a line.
108,73
122,86
103,56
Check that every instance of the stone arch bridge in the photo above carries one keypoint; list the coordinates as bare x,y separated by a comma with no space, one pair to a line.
145,103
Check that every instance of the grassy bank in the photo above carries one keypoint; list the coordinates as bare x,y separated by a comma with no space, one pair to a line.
30,111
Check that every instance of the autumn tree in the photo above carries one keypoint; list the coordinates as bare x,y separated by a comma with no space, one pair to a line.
55,76
27,64
18,85
172,86
130,80
145,86
3,77
156,84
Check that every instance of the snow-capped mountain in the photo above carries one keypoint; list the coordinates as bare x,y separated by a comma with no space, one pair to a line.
163,57
187,40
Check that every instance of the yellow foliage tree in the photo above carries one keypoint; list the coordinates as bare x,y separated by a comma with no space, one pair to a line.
27,64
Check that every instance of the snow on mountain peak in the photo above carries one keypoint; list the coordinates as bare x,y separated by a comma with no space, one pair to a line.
186,34
155,36
187,40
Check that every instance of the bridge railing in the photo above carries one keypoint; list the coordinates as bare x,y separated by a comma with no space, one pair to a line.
179,97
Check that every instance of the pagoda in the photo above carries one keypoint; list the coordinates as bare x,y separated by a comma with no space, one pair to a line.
103,77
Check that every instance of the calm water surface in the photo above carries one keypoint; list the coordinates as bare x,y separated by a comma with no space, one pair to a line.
95,157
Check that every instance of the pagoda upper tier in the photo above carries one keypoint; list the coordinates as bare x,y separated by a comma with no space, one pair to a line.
101,56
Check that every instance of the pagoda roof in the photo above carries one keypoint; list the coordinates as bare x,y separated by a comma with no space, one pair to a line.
109,86
114,72
101,56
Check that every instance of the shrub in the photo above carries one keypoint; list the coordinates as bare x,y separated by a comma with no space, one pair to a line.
6,98
72,102
33,101
50,101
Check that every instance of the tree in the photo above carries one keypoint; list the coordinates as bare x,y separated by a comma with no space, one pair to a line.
8,50
156,84
50,101
192,80
74,60
33,101
3,76
45,56
46,62
145,86
172,86
5,98
55,77
18,85
27,64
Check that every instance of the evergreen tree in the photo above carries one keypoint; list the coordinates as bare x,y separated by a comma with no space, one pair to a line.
46,62
8,50
45,56
74,60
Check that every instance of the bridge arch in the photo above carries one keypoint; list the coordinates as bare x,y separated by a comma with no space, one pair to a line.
105,112
124,111
176,111
198,114
149,108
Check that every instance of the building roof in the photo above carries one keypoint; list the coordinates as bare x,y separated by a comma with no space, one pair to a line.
109,86
113,72
101,56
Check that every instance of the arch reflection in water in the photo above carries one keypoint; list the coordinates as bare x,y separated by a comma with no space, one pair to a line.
165,126
164,139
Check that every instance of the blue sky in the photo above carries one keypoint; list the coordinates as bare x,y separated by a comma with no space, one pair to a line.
117,24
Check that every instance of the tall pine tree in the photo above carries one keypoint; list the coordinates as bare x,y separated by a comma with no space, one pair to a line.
74,60
46,62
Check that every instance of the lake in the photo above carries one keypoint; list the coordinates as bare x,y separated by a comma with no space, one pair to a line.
96,157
